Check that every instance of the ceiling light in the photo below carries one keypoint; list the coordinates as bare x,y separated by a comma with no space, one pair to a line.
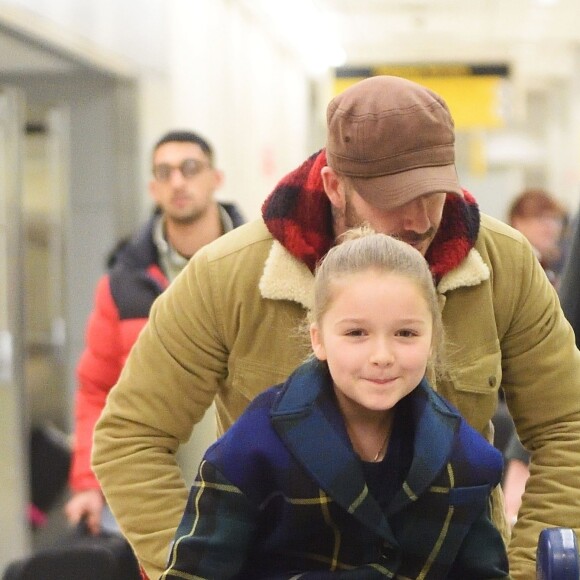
310,32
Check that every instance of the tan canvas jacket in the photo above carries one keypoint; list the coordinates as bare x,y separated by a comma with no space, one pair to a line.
228,328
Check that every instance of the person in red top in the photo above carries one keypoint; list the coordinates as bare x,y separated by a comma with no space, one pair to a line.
186,217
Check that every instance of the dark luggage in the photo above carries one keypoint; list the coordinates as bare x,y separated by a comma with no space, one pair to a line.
50,459
80,557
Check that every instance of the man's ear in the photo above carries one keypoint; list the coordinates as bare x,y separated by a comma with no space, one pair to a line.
153,190
316,342
332,187
218,177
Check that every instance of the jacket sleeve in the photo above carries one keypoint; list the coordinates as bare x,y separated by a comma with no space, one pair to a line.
482,553
97,371
216,532
541,381
169,380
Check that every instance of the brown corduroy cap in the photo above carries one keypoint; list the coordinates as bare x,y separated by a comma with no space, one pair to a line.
394,139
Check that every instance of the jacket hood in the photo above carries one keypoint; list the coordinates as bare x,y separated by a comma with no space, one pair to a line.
137,251
298,215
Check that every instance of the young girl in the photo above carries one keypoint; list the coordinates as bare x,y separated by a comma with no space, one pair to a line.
354,467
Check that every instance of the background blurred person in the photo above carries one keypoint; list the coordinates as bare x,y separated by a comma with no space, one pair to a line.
542,219
186,217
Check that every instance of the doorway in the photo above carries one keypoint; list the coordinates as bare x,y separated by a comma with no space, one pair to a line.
69,163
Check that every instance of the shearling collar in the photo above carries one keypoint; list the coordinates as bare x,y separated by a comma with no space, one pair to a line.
287,278
297,214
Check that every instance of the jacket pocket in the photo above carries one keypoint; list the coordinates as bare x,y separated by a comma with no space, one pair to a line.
474,385
480,375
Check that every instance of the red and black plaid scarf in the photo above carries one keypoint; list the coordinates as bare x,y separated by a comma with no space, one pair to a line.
298,215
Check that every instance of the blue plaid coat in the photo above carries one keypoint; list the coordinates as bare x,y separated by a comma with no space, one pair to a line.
283,495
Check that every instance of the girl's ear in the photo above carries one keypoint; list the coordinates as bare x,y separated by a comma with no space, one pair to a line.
316,342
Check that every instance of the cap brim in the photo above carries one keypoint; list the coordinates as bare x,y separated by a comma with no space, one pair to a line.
397,189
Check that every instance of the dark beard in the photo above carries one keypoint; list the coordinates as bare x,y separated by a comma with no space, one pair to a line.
348,216
352,219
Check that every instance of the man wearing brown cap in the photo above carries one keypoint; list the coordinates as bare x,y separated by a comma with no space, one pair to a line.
226,329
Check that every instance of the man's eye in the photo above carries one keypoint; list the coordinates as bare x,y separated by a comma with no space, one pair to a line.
191,167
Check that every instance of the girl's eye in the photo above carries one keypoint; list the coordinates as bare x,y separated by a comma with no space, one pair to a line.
407,333
355,332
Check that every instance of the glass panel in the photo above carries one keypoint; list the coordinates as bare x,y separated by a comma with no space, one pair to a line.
44,198
14,537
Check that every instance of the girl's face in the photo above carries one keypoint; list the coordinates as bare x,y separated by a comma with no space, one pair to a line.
376,339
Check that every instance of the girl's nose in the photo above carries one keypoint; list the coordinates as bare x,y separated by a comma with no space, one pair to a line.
382,354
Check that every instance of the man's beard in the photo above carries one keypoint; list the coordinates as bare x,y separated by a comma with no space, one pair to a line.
351,219
193,216
348,216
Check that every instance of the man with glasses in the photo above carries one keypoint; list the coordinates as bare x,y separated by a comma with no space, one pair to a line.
186,217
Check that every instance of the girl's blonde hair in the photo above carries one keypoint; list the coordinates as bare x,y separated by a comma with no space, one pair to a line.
362,249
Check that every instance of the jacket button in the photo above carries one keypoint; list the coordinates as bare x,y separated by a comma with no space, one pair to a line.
491,381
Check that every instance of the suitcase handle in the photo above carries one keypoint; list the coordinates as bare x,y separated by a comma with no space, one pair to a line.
557,555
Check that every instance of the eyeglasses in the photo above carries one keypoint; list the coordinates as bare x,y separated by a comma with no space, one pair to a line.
188,168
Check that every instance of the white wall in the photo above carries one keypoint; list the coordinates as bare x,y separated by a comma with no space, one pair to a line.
245,91
209,65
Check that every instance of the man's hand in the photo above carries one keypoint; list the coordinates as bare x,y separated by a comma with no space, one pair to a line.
87,505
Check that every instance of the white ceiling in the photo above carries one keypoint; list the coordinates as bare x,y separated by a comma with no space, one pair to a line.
32,44
20,56
539,38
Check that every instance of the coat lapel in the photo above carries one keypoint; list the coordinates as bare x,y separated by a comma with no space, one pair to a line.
311,427
313,431
435,427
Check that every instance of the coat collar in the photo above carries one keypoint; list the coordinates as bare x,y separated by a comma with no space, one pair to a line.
298,215
286,278
311,427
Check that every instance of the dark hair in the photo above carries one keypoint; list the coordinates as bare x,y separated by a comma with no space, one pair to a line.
186,137
535,203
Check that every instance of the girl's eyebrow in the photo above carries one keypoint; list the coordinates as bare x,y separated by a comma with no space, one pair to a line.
418,320
352,320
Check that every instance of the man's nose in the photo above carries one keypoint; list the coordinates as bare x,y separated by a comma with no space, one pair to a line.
176,177
416,216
